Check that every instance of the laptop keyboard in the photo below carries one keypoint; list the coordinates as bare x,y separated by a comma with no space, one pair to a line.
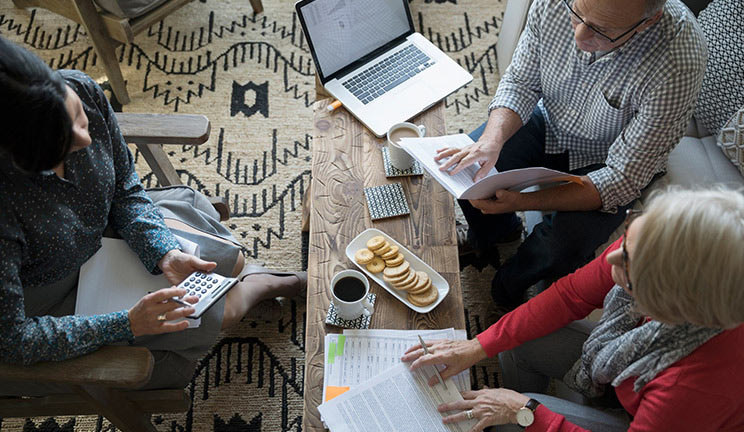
377,80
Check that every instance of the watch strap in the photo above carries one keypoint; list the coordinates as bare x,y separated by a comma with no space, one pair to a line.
532,404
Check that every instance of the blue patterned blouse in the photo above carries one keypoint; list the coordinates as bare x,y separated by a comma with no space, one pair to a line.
50,226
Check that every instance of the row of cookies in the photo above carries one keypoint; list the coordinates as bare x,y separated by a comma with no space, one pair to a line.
381,256
420,291
378,255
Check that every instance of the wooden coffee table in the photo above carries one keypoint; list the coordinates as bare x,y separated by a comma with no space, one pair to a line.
346,159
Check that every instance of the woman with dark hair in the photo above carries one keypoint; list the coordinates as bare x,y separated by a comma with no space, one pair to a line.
66,175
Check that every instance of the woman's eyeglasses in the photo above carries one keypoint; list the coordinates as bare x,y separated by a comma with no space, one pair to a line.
630,214
576,19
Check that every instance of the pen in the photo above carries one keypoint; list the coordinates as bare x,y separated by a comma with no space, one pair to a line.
334,105
426,351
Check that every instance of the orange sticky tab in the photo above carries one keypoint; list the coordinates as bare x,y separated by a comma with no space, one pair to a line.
333,391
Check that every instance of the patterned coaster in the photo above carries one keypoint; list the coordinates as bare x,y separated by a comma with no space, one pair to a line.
386,201
360,323
391,171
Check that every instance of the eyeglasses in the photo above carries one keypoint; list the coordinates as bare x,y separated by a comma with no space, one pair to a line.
576,19
630,214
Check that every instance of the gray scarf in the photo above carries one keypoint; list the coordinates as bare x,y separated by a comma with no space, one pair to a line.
618,348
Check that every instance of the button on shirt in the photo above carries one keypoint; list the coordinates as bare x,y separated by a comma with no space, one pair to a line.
49,226
627,108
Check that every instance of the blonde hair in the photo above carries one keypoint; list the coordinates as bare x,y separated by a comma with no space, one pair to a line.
688,264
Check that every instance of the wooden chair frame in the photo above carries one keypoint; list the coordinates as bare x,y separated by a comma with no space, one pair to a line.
107,31
101,382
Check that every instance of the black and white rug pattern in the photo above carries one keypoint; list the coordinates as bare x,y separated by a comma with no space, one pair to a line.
253,76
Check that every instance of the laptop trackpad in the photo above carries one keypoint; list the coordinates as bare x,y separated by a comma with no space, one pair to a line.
415,96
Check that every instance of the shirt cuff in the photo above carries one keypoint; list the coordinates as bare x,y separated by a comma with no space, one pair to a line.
114,327
612,191
517,99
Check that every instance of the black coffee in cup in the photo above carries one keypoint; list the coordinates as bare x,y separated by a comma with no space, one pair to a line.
349,289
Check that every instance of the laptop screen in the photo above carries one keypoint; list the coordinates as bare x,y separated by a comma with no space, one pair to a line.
343,31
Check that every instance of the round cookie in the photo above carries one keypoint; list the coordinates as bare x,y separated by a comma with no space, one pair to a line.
398,260
397,271
376,265
375,243
425,299
364,256
422,290
383,250
403,280
422,284
392,253
396,280
411,284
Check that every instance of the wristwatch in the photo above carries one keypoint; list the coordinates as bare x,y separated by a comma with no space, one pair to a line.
526,414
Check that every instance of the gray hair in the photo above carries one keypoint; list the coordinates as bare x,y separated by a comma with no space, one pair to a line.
653,6
687,263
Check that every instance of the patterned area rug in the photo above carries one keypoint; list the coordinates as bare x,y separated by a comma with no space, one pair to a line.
253,77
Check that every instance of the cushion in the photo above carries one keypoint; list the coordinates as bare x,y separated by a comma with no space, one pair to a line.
129,8
722,91
731,140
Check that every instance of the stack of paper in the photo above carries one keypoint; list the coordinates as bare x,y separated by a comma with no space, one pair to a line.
367,362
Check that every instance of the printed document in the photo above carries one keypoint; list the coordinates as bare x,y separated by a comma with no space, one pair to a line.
397,400
461,185
356,356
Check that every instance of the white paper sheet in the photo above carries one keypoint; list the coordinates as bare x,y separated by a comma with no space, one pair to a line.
114,279
461,185
359,355
396,400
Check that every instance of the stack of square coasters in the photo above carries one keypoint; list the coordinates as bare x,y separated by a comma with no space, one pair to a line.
386,201
358,323
391,171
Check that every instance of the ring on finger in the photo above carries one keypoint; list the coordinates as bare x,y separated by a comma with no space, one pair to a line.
162,317
469,414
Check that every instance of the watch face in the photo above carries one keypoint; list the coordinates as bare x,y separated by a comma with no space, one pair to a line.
525,417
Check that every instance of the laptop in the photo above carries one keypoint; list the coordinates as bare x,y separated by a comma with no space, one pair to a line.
368,56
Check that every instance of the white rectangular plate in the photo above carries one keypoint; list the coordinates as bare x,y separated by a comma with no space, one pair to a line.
415,262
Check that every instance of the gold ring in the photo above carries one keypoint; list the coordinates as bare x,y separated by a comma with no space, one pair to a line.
469,414
162,317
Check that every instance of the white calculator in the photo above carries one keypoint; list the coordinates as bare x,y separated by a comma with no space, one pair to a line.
208,287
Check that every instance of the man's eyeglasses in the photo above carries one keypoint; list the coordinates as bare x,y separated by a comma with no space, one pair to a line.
576,19
630,214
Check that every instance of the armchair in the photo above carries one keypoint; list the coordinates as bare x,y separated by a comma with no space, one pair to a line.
107,31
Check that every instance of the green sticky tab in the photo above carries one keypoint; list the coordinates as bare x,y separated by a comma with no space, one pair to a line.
331,352
340,345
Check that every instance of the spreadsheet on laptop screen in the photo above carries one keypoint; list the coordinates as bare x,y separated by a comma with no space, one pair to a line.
343,31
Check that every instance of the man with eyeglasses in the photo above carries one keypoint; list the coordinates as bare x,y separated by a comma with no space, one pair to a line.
601,88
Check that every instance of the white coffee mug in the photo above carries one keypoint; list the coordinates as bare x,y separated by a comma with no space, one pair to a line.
399,157
349,296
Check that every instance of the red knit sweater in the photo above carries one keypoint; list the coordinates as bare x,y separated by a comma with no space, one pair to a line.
702,392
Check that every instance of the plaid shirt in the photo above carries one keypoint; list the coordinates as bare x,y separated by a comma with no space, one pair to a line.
626,109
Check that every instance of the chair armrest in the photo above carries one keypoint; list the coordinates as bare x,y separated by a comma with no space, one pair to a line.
110,366
182,129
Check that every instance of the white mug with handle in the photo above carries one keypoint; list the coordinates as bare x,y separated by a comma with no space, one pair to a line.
400,158
349,289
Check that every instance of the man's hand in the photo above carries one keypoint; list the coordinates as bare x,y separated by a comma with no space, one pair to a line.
456,355
177,266
485,152
152,313
503,201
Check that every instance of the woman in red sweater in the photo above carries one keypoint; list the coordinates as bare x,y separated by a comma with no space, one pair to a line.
669,346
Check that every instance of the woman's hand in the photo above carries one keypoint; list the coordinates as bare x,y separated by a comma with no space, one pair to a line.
490,407
485,152
152,312
456,355
177,266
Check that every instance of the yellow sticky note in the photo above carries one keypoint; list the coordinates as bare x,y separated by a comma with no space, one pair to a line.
333,391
